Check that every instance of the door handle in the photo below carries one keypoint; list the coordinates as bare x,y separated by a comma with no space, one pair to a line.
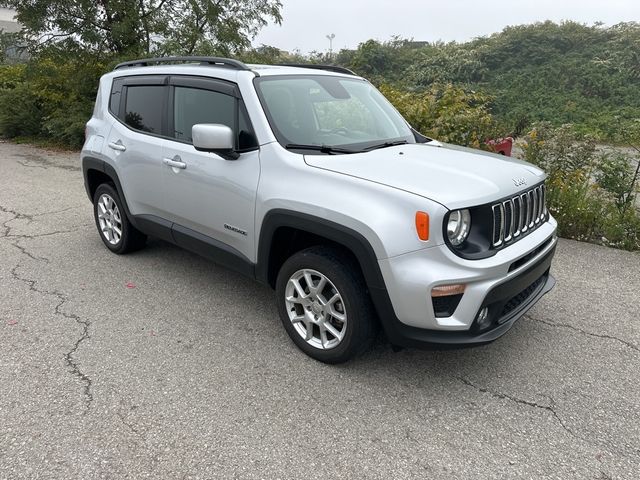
117,146
174,162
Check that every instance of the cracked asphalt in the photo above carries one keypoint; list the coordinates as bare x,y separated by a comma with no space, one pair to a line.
161,364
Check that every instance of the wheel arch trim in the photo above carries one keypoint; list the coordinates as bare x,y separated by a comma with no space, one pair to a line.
91,163
349,238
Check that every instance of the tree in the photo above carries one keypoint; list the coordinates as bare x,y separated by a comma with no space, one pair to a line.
134,27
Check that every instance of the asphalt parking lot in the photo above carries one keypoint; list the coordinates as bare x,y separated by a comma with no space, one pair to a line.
163,365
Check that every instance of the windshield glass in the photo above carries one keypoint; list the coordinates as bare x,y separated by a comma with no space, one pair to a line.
330,111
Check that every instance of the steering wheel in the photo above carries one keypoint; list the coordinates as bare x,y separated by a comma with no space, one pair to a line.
339,131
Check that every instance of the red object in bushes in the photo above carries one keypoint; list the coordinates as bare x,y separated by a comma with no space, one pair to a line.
501,145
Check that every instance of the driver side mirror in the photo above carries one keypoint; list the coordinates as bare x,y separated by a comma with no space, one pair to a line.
216,138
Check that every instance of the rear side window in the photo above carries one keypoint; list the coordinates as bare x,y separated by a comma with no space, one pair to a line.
116,95
194,105
144,108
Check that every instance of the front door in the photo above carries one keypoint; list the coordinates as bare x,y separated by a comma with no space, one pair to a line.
206,194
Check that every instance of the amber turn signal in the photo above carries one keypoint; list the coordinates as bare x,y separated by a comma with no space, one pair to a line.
446,290
422,225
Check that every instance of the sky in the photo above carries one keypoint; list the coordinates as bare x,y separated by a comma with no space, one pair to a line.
306,23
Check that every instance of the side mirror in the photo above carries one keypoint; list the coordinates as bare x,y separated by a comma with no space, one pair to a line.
216,138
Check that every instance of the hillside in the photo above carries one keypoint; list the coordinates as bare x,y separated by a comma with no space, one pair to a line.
562,73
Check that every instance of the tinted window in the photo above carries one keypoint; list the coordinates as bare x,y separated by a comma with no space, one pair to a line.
330,110
116,93
143,110
247,139
193,105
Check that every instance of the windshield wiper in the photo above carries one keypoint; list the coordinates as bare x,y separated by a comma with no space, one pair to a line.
385,145
318,148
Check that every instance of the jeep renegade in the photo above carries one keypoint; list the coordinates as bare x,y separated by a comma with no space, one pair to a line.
307,179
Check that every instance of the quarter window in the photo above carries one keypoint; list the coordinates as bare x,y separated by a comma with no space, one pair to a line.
144,108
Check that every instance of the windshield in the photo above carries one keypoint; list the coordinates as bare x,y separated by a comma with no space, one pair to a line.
346,114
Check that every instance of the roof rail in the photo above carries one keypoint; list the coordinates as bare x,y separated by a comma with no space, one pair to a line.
315,66
211,61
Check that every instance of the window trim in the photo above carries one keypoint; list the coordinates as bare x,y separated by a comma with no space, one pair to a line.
216,85
139,81
169,82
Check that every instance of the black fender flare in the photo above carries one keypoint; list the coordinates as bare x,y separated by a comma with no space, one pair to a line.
349,238
92,163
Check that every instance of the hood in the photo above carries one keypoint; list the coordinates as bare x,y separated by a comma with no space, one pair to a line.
453,176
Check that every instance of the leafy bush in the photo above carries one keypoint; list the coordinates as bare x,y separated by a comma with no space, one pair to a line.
20,111
591,193
447,113
51,96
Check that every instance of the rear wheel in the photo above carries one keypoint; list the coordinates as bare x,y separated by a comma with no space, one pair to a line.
324,304
116,232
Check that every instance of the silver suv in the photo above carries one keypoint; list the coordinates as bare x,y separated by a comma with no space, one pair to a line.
307,179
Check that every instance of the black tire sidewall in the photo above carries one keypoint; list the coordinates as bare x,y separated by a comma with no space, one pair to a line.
105,188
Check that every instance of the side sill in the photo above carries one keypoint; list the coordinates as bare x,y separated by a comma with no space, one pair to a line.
212,249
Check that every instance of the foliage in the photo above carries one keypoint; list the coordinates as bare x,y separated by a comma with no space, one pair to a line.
590,192
50,96
562,73
73,42
447,113
379,62
135,27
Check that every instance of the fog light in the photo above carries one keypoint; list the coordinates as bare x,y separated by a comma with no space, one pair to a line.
483,319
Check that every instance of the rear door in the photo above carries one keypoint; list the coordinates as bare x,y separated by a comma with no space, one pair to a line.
135,141
210,197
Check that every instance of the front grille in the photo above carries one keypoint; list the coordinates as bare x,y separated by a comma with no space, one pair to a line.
517,216
521,298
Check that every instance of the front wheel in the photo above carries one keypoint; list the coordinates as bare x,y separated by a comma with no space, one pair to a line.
324,304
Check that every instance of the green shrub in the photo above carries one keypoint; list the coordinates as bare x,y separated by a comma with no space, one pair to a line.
589,192
447,113
20,112
51,96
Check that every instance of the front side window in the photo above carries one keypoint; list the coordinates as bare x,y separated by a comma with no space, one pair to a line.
194,105
330,111
144,108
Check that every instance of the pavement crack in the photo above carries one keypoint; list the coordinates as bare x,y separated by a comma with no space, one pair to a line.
505,396
31,166
44,163
47,234
26,252
16,216
585,332
30,218
129,426
69,356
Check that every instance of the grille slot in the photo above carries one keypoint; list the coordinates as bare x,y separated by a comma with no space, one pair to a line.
516,216
521,298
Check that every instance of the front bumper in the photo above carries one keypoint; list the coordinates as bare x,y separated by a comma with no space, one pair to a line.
508,285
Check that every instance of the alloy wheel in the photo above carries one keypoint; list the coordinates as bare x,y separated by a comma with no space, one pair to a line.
316,309
109,219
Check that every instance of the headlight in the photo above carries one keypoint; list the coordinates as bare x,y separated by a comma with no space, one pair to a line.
458,226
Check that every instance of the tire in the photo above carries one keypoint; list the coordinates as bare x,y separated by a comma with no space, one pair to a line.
114,228
342,307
